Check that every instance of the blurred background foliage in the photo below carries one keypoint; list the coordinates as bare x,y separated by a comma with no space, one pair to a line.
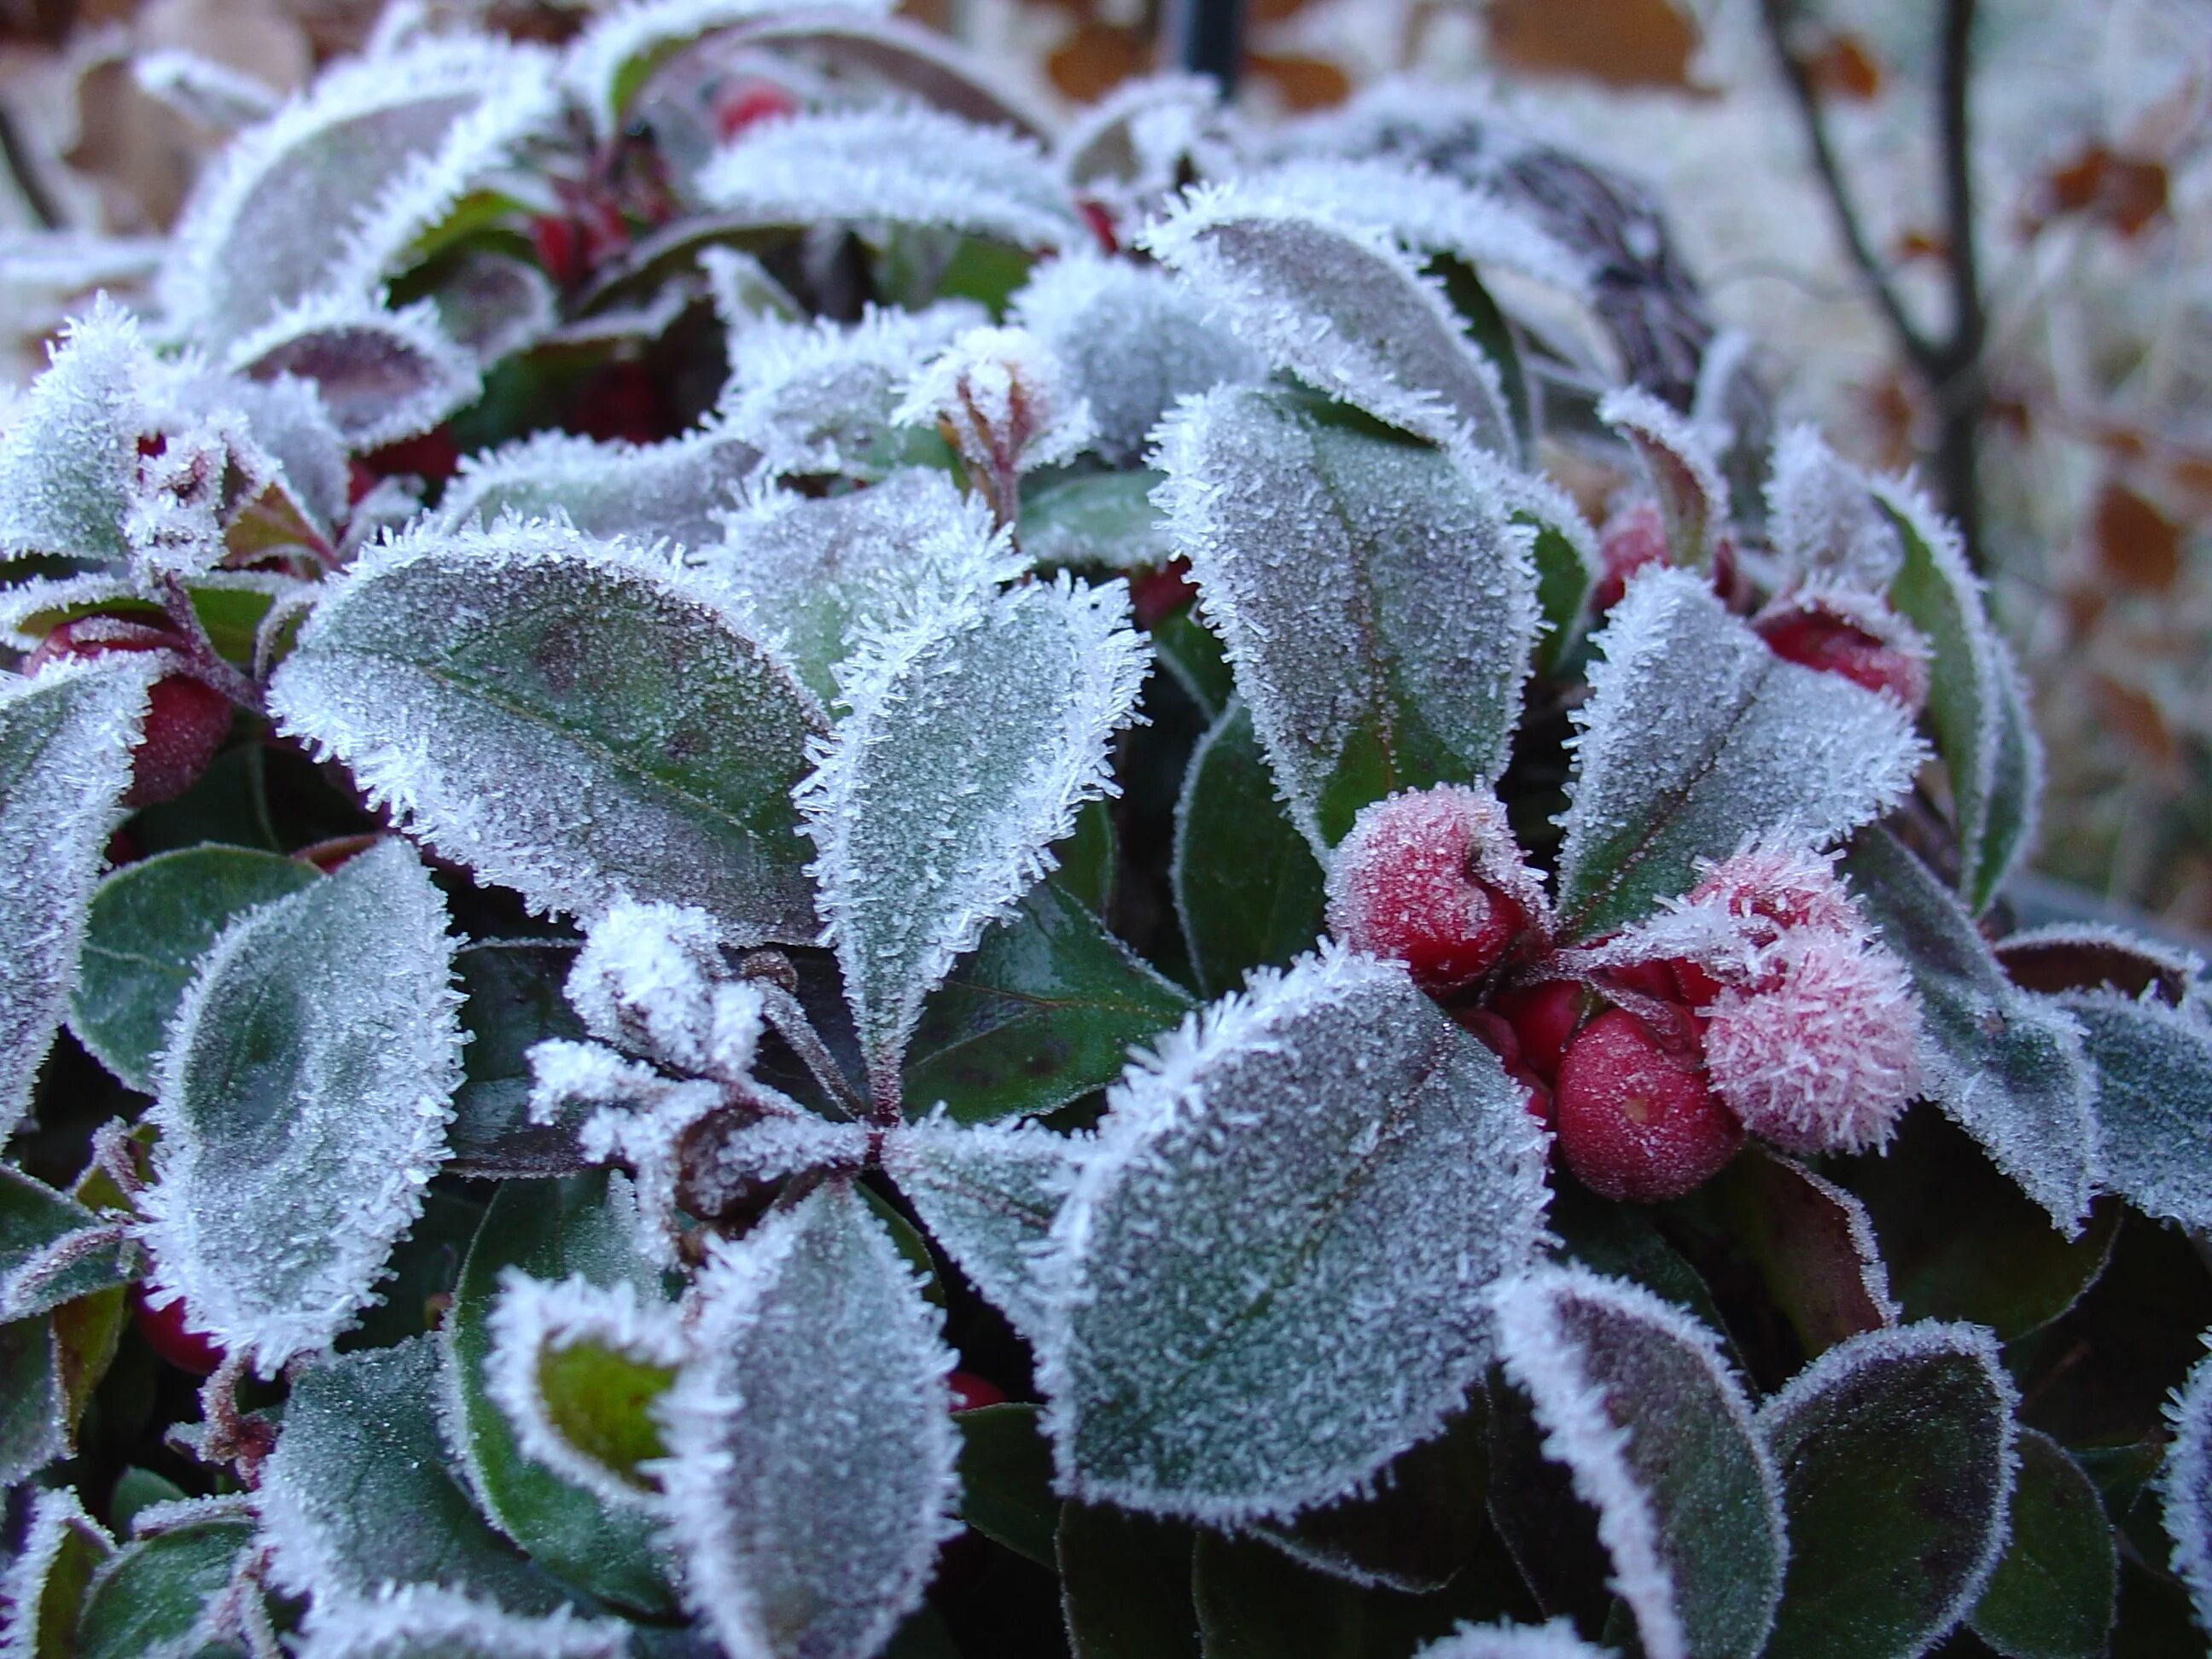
2056,386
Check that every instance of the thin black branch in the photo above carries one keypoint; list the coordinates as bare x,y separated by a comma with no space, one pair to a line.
1969,321
23,173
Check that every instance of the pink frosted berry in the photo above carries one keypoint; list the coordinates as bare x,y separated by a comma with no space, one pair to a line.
1823,1053
1633,537
1433,878
1637,1118
1855,638
1783,885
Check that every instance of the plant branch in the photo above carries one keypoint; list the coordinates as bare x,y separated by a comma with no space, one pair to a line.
207,663
769,971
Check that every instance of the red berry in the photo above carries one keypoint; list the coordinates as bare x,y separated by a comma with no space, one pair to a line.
1499,1037
1544,1017
1636,1118
972,1393
168,1333
1633,537
1433,878
1156,595
1817,638
749,102
186,718
559,245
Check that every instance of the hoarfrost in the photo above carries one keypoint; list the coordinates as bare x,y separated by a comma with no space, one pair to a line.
203,91
1133,147
2187,1485
57,1551
976,725
1005,398
671,491
1555,1640
1379,610
1821,517
1693,502
69,460
2153,1070
423,1621
785,1552
382,374
1266,1281
651,978
1695,737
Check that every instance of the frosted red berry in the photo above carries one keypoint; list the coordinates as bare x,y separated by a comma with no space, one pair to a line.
973,1393
170,1335
1819,637
1545,1018
1637,1118
748,102
186,718
1633,537
1497,1035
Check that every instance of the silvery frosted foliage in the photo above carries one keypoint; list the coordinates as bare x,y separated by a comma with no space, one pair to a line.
419,1621
2187,1485
1378,606
1556,1640
669,491
1265,1283
69,457
65,743
650,979
279,1187
1692,498
209,93
817,1358
383,374
2153,1110
1133,149
61,1543
1823,519
974,726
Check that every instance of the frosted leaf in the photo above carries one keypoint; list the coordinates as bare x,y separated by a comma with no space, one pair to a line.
988,1194
286,418
649,492
382,374
1135,147
2067,956
1696,738
1556,1640
30,608
2006,1066
492,305
567,1074
1897,1454
69,459
1097,520
1133,341
1379,610
1692,498
1568,561
302,1104
1004,399
65,745
1636,1400
896,165
743,289
565,717
421,1621
817,574
53,1249
2187,1485
1975,701
785,1552
818,397
1266,1281
1821,517
42,1585
326,197
174,524
976,725
651,978
1335,303
175,1595
205,92
533,1320
2152,1071
74,262
363,1491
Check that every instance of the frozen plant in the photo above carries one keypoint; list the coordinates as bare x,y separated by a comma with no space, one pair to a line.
806,874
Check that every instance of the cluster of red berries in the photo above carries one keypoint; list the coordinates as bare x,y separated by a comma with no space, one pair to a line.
186,718
1760,1005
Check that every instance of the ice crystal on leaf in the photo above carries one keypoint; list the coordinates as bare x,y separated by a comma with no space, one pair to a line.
69,460
1635,1399
2187,1485
302,1104
383,375
567,717
1134,147
818,1357
671,491
2153,1106
1556,1640
207,93
66,745
1265,1283
1335,303
1695,737
976,725
421,1621
1693,501
60,1549
650,978
896,165
1005,399
1821,517
1379,609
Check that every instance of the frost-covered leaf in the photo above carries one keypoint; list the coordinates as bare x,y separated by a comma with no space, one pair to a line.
33,1411
383,375
2007,1066
1252,1600
1264,1282
1132,341
327,196
65,745
1136,146
817,574
1693,502
1095,519
2152,1067
512,1001
53,1249
362,1490
286,418
988,1194
1125,1584
586,1228
492,305
1336,304
209,93
786,1553
69,459
1822,517
672,492
567,719
2052,1595
894,165
1813,1245
44,1585
1636,1400
1975,702
1379,608
1556,1640
2185,1483
977,724
1696,737
1897,1460
2089,957
1044,1011
866,45
165,1597
423,1621
1566,549
148,924
607,63
577,1367
302,1102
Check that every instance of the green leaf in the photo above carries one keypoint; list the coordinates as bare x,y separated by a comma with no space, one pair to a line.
34,1426
1566,570
1812,1246
1005,1480
1249,891
1897,1459
2153,1071
1379,612
567,720
2052,1595
1043,1012
1493,334
1125,1585
148,925
45,1584
69,461
34,1274
987,1193
672,490
420,1274
1254,1603
1089,858
1192,651
154,1600
1095,520
513,1001
585,1226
